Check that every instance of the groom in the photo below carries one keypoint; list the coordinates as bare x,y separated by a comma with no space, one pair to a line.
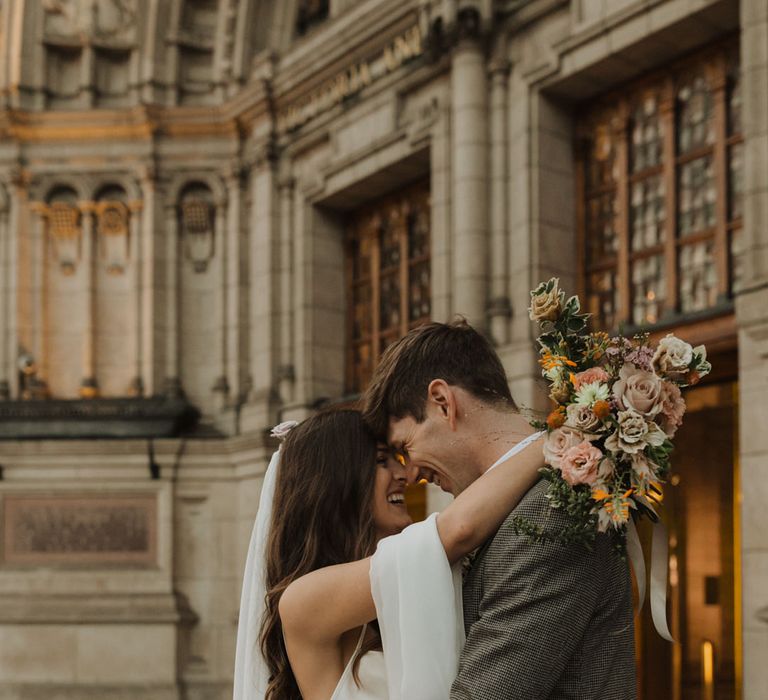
543,620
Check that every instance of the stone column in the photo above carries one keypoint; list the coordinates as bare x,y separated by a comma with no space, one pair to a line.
172,387
233,282
88,385
752,320
440,214
136,262
146,270
17,226
6,296
469,108
499,309
37,290
286,370
221,387
262,311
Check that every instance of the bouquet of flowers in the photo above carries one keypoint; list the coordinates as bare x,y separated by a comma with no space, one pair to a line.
617,407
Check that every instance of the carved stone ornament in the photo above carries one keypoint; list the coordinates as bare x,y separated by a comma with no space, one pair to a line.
102,19
113,235
197,232
65,232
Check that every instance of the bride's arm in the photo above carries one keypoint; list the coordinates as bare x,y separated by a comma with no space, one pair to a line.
324,604
477,512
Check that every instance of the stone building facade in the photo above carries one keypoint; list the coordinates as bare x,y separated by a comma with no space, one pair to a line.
215,214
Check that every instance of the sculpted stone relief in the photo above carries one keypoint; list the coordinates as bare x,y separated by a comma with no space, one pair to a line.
95,19
64,232
197,216
112,217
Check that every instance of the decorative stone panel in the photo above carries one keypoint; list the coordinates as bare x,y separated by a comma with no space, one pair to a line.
79,530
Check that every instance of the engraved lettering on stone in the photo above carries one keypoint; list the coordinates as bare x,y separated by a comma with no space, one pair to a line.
40,530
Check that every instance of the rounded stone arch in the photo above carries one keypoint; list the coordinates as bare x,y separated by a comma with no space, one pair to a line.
47,186
183,182
126,183
63,192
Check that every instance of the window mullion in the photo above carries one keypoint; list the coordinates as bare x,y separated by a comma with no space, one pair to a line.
375,233
402,220
620,126
718,86
581,216
670,205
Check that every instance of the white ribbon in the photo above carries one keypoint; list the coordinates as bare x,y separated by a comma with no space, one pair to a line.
659,565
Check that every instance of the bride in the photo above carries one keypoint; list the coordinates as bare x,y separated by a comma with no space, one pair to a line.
336,604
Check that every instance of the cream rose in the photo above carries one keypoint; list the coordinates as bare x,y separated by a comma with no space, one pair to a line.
579,463
672,408
673,357
634,433
638,390
558,442
581,418
545,305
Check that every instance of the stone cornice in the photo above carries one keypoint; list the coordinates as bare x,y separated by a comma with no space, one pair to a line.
275,84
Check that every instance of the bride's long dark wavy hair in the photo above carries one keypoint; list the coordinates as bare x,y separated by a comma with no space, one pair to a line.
322,515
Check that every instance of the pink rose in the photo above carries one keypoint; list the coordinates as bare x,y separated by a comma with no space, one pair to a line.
580,463
638,390
672,408
558,442
589,376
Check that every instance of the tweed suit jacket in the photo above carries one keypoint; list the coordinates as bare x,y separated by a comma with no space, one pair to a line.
545,620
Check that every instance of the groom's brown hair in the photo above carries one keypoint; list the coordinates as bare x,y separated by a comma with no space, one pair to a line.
454,352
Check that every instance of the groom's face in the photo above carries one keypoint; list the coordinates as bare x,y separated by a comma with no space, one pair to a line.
435,450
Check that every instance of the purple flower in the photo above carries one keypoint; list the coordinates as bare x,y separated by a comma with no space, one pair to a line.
642,358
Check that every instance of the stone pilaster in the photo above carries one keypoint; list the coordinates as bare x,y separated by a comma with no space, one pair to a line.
499,309
88,385
172,386
262,245
234,282
752,319
150,370
469,109
221,387
286,371
136,263
6,296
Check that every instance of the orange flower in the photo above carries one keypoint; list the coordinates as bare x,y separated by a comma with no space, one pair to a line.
601,409
693,377
556,419
550,361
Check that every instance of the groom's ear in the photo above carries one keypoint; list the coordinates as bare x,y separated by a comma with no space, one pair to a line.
443,399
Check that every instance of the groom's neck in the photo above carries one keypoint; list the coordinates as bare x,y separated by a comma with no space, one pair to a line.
501,433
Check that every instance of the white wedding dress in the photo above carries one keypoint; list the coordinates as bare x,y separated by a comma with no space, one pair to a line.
418,598
372,675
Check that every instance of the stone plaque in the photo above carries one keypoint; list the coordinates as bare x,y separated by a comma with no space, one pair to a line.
79,530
